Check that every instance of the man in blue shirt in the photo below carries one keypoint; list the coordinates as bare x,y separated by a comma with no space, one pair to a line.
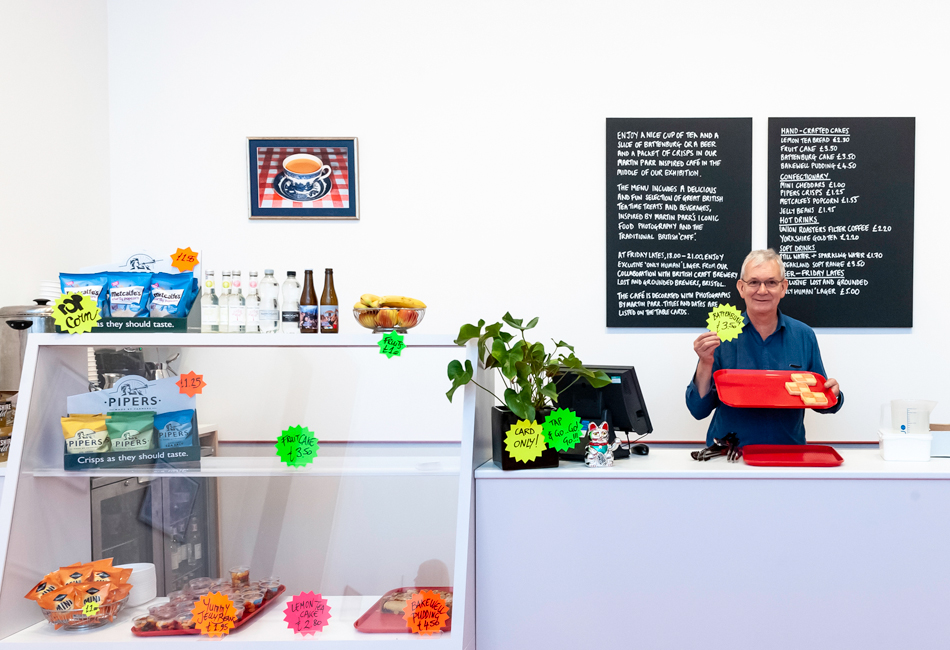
769,340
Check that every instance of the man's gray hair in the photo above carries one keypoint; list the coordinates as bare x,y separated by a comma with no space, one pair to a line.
761,257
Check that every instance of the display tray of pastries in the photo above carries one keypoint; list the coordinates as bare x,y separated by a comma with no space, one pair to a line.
386,614
783,389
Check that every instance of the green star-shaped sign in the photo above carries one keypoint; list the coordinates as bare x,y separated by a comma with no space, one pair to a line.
392,345
75,313
562,429
297,446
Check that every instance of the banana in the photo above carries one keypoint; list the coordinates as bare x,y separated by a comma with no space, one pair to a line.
370,300
359,305
401,301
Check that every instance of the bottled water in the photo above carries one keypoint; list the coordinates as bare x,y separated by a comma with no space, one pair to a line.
223,299
270,305
252,304
209,305
237,316
290,304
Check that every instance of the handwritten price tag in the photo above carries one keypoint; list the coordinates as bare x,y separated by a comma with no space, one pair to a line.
426,612
190,384
214,614
392,345
726,321
307,613
297,446
75,313
562,429
184,259
90,609
525,441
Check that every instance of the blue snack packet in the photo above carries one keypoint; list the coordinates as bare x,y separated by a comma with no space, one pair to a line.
88,284
174,429
128,294
170,294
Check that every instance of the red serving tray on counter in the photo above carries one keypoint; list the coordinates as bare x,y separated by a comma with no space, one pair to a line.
376,621
791,456
237,626
757,389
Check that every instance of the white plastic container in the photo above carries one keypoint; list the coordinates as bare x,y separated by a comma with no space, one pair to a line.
911,415
913,447
142,581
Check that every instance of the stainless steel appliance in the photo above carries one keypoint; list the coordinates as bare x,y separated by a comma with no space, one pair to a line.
171,522
16,323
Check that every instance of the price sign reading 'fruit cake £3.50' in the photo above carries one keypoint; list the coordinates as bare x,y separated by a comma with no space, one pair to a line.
297,446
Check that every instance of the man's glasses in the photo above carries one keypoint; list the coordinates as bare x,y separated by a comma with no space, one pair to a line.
771,285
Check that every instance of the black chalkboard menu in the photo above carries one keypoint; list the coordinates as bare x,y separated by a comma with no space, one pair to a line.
841,213
679,217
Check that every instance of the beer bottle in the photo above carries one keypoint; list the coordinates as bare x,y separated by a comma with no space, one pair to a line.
329,307
309,308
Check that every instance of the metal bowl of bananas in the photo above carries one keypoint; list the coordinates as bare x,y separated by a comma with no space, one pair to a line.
388,313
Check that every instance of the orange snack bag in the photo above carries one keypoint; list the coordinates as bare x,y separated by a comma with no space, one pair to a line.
49,583
93,592
61,599
111,574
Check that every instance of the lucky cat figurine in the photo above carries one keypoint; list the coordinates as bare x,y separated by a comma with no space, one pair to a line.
600,453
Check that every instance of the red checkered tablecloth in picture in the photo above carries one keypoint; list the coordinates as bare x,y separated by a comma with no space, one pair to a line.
269,161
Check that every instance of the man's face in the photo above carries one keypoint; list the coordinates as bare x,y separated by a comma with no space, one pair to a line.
754,288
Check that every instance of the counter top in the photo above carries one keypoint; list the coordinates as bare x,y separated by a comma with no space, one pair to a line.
677,464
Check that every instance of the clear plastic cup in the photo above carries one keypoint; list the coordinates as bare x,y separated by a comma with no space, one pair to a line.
200,585
185,621
270,588
240,576
252,599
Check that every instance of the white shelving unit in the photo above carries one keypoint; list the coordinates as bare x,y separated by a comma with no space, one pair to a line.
44,512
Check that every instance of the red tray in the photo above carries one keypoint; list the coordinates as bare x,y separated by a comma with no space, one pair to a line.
376,621
791,456
757,389
237,626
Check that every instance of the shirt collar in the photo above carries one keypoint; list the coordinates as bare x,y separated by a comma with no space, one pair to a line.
778,326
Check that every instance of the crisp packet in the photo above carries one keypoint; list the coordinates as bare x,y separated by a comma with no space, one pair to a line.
49,583
131,430
85,434
88,284
93,592
175,429
170,295
61,599
129,294
111,574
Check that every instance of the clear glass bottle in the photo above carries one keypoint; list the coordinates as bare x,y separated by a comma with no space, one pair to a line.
223,299
270,303
237,306
329,306
252,304
210,312
193,542
290,304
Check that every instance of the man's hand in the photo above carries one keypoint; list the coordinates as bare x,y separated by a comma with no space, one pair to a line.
705,346
832,385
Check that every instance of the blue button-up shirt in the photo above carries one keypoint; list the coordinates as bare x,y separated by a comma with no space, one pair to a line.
792,346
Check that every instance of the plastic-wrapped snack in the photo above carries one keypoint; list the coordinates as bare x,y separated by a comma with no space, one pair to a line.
175,429
129,294
61,600
93,592
51,582
131,430
85,434
93,285
111,574
170,294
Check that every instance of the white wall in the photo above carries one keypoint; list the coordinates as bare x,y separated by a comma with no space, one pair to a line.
54,134
482,161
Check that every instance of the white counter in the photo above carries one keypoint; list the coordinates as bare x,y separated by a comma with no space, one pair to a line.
666,552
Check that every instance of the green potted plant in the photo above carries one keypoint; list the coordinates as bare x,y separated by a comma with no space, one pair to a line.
532,377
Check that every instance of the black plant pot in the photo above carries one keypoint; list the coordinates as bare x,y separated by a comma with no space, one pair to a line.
501,421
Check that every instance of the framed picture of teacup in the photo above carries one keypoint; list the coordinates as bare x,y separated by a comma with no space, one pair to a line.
303,178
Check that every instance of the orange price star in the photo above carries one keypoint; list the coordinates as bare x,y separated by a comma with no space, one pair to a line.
184,259
426,612
190,384
214,614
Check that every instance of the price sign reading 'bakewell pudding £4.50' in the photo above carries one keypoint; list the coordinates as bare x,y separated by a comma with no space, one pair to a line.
426,612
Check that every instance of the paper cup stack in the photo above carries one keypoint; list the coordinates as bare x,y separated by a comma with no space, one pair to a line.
142,581
49,290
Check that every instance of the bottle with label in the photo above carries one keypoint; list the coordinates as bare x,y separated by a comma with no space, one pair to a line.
290,304
270,303
224,299
209,305
237,314
193,542
329,306
309,307
253,304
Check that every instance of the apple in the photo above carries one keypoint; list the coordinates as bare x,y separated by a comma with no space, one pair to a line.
386,317
367,318
407,317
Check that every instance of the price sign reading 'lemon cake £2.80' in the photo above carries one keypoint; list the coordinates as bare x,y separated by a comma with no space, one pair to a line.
726,321
307,613
297,446
525,441
75,313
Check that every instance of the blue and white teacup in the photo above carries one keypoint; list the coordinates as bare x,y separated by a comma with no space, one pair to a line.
306,175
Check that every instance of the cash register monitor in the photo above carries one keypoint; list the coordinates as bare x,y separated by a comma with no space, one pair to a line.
620,403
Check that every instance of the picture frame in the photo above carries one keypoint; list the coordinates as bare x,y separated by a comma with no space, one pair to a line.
303,178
